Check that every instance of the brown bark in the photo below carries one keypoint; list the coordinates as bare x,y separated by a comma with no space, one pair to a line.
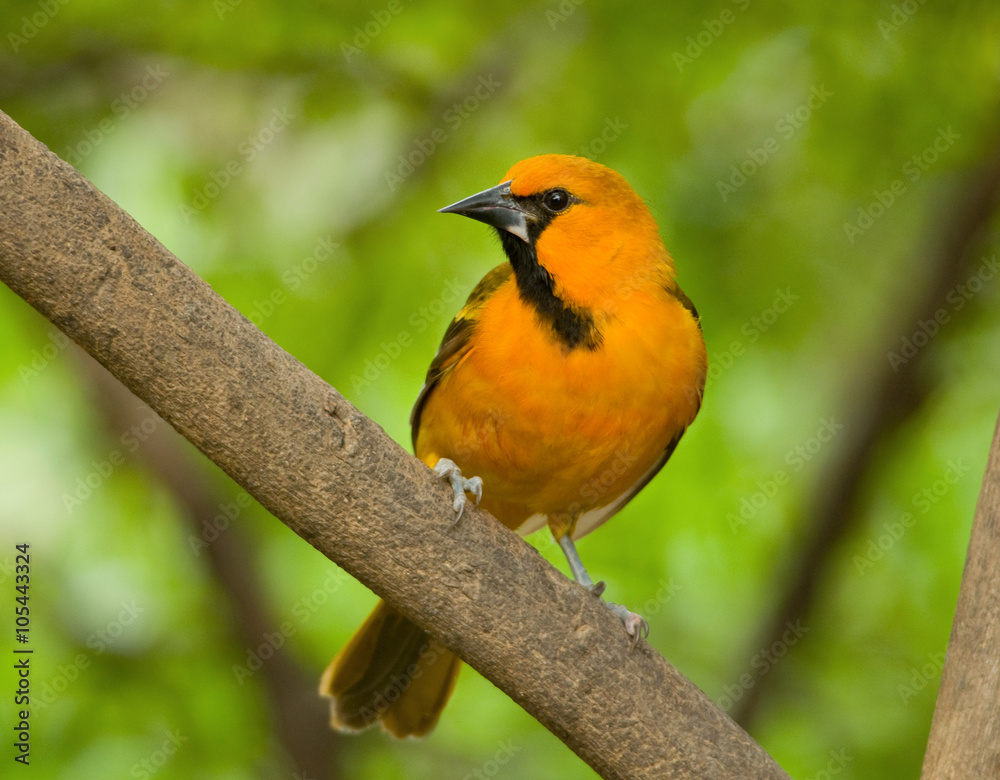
965,732
336,479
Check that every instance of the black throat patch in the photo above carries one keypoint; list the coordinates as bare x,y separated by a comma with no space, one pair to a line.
574,327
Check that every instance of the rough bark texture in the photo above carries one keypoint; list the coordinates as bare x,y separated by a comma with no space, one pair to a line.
336,479
965,732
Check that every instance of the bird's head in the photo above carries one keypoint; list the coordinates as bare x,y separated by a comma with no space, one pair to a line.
578,220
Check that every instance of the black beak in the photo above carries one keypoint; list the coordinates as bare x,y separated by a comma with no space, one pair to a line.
496,207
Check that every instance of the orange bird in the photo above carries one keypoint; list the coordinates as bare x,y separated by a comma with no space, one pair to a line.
563,385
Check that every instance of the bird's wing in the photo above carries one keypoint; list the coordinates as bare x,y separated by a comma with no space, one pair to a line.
588,521
458,338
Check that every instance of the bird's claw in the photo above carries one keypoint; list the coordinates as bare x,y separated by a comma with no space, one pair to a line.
635,625
447,469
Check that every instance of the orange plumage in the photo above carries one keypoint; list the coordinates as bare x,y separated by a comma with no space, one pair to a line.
564,383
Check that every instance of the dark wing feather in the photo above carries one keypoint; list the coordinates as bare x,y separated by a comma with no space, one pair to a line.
458,338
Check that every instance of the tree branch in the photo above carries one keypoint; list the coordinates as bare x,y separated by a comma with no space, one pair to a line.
965,732
337,480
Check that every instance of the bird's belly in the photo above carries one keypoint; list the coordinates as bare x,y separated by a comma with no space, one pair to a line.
556,432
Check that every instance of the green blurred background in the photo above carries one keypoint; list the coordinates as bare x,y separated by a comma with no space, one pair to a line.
811,169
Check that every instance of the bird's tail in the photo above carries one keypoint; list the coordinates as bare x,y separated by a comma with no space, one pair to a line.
390,671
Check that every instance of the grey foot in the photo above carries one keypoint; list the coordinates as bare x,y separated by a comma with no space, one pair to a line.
446,469
635,625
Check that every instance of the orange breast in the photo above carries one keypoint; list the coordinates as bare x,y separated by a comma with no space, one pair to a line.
555,431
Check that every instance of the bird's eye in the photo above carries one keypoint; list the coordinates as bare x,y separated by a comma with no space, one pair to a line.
556,200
